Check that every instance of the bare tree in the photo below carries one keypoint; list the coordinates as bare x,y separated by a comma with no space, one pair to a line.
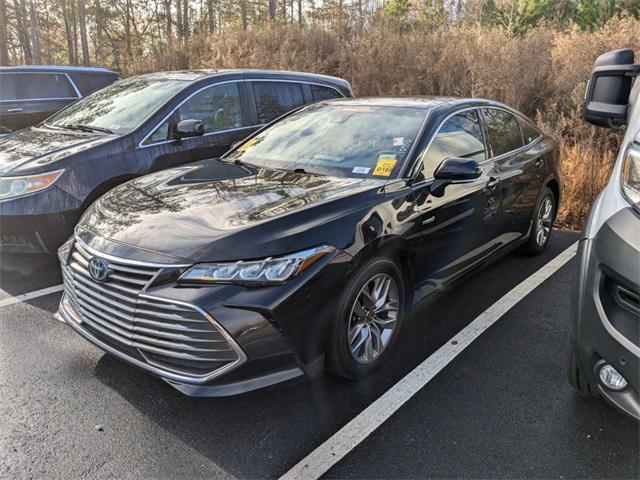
272,10
23,34
243,13
83,33
4,39
179,21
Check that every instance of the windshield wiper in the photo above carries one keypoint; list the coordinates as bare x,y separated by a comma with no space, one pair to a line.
87,128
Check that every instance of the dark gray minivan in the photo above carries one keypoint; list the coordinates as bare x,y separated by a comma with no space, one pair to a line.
31,93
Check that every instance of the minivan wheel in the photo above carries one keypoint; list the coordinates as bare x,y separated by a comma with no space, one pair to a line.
577,379
542,224
369,316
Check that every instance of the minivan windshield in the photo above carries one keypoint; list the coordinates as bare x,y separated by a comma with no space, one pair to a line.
342,140
120,107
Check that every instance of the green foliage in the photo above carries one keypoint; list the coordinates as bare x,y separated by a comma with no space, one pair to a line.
518,16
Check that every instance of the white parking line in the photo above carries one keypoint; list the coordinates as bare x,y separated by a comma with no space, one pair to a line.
5,302
359,428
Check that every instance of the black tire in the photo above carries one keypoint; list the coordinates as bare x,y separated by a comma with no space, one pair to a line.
340,361
533,246
577,380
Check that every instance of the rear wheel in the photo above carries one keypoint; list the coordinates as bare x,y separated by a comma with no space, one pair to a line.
542,224
369,316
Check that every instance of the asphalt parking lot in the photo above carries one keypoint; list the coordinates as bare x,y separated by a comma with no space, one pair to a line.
501,409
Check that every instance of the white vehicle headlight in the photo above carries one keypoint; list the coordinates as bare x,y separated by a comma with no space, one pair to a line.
11,187
272,270
630,180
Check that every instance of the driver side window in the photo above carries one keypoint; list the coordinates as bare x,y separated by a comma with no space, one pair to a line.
218,107
459,137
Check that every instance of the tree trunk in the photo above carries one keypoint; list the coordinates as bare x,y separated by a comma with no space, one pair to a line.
179,20
167,14
83,33
284,11
300,13
67,30
99,40
4,39
211,19
185,21
272,11
243,13
35,33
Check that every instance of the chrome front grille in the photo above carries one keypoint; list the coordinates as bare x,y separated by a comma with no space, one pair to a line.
168,336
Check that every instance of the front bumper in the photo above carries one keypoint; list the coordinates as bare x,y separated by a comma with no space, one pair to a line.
606,306
38,223
266,335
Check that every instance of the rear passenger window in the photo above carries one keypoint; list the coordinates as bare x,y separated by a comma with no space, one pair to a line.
529,132
318,92
503,131
458,137
276,98
8,87
45,85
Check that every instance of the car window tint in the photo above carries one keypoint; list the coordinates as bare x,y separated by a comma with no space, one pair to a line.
318,92
529,132
218,107
274,99
45,85
459,137
502,131
9,86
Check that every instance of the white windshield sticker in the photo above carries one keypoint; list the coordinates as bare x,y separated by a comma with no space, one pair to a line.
398,141
362,170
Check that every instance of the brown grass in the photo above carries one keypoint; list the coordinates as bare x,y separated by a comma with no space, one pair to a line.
543,73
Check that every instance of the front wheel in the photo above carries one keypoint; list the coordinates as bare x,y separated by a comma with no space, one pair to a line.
542,224
369,315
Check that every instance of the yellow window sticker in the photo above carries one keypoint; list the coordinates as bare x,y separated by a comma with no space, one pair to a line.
384,167
247,145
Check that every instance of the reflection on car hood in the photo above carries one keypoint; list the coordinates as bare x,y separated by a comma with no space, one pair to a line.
35,147
215,210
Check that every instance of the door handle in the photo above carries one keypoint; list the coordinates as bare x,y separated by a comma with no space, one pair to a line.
14,110
493,183
539,162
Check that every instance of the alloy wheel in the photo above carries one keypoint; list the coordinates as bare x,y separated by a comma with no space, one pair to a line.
544,221
373,318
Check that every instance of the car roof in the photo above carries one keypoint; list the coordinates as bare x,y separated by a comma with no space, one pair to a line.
422,102
200,74
55,68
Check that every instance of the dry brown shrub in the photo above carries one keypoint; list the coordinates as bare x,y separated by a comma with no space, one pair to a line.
543,73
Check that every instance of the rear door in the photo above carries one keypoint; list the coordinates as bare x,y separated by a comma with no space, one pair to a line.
517,172
29,98
273,98
222,108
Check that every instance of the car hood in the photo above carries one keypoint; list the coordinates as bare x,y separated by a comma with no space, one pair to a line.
214,210
30,149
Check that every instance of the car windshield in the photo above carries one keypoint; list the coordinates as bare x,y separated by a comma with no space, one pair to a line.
120,107
336,139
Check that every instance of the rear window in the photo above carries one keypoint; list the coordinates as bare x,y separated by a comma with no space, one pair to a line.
529,132
274,99
318,92
35,86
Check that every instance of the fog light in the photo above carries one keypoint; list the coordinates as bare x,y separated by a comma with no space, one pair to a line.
612,379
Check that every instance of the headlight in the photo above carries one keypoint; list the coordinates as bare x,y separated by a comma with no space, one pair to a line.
631,175
11,187
262,272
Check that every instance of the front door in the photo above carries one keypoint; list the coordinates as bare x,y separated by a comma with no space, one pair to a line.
220,108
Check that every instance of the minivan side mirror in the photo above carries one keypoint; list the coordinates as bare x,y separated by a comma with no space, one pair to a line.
188,128
454,170
607,95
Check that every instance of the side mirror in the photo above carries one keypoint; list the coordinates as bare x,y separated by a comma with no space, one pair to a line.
454,170
606,99
188,128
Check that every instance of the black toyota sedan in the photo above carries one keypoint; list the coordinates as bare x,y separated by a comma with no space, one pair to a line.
304,247
50,173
